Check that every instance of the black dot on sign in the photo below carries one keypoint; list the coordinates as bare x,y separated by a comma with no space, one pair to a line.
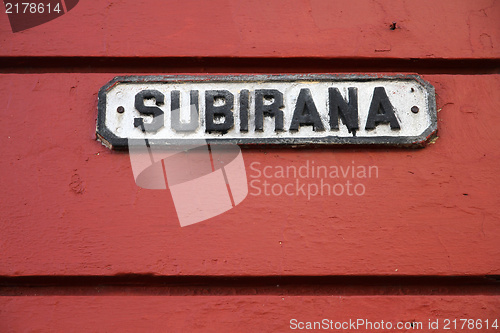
414,109
120,109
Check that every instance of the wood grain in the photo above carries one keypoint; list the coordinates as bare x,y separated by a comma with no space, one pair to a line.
318,28
234,314
70,206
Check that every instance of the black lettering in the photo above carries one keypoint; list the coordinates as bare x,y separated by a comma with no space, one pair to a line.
348,111
176,112
381,111
244,98
158,115
305,113
214,112
269,110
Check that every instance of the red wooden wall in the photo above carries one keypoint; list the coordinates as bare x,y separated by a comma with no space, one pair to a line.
82,248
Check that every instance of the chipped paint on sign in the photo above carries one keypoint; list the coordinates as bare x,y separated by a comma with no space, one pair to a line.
267,109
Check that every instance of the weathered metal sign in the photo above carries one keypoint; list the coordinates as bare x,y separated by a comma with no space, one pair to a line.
267,109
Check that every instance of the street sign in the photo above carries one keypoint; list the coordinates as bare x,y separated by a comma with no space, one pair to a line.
267,109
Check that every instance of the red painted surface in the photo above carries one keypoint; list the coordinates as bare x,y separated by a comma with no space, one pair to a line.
69,207
316,28
233,314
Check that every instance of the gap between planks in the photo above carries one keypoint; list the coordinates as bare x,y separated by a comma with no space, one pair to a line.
165,65
139,284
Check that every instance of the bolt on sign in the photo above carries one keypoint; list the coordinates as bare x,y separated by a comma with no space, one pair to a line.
267,109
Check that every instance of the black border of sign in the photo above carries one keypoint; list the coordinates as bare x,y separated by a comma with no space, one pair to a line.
112,141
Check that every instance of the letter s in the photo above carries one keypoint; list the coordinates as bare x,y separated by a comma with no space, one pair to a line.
155,111
254,169
255,187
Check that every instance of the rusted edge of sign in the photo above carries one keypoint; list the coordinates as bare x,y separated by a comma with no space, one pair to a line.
110,140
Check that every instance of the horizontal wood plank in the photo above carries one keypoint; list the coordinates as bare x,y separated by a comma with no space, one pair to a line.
70,206
317,28
243,313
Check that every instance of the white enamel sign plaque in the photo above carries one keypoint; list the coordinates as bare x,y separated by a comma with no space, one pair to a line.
267,109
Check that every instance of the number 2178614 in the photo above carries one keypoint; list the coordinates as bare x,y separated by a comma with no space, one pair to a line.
32,8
